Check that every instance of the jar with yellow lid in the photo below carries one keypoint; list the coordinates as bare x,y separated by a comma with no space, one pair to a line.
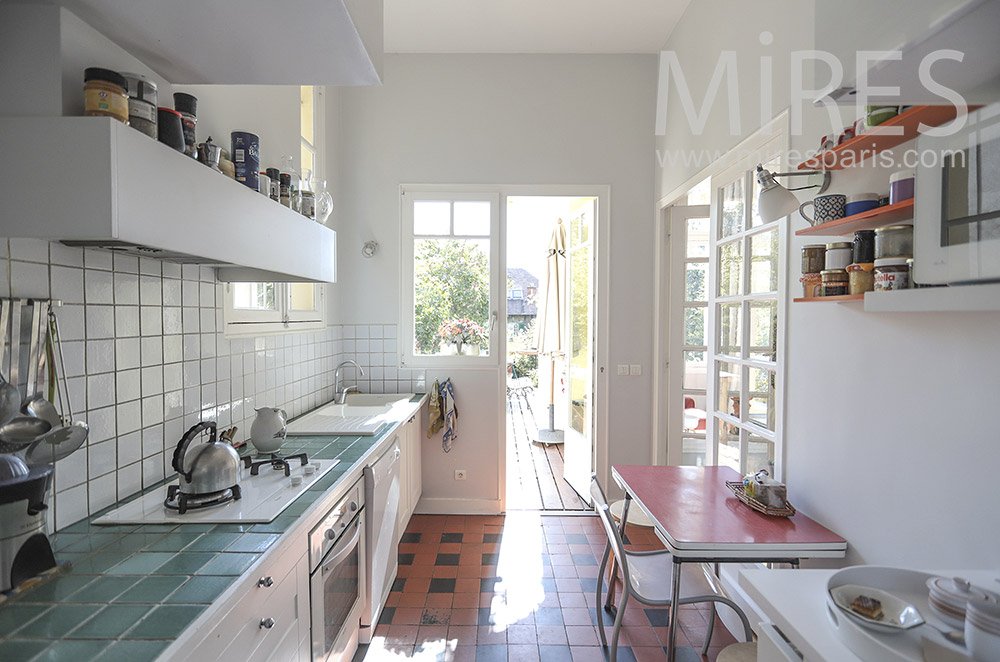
104,94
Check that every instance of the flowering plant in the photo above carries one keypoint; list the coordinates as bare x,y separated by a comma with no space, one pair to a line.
461,330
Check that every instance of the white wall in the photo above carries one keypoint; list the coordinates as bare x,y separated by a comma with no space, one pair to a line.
889,439
503,120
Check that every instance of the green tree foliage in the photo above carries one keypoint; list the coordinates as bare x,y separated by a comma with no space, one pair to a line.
452,281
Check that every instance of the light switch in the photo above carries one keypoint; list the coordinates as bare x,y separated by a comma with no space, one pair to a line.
623,370
635,370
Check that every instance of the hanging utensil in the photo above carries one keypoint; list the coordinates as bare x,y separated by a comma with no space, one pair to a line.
38,406
22,431
10,397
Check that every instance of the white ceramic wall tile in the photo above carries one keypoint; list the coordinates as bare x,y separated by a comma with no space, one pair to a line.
100,286
151,350
67,256
100,321
126,289
100,356
29,250
126,353
67,284
126,321
129,448
29,279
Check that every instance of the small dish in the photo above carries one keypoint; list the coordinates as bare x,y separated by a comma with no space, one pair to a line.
898,615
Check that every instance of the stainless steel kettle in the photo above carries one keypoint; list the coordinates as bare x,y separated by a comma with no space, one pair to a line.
206,467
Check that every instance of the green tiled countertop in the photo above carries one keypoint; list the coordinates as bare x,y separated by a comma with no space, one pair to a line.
127,592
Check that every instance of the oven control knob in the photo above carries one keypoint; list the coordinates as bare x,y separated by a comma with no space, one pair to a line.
354,506
330,534
265,582
267,623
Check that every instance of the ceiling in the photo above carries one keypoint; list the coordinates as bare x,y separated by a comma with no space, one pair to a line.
529,26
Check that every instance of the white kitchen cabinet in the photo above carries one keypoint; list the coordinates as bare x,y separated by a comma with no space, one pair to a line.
411,478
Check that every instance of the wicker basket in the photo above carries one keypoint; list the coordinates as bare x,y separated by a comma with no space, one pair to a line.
737,487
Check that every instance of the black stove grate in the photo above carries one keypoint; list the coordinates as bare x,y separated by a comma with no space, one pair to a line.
275,461
183,502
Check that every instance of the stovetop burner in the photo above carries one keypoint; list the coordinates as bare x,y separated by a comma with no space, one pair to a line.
276,461
182,502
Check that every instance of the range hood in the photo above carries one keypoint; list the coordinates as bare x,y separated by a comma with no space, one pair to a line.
92,181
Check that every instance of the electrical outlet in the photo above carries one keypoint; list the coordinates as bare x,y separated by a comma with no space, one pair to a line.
635,370
459,474
623,370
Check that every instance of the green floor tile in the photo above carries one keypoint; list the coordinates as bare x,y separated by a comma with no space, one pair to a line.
173,542
185,563
72,651
57,621
57,589
151,590
97,564
15,649
111,622
133,651
212,542
201,590
253,542
142,563
15,615
104,589
229,564
165,622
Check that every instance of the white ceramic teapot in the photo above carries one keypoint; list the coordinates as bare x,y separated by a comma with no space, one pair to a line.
267,432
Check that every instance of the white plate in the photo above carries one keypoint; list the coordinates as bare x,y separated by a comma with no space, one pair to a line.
898,615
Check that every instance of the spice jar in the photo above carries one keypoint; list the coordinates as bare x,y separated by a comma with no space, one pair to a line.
813,258
838,255
864,246
170,129
835,282
187,106
141,104
308,204
285,189
811,284
275,191
861,278
891,273
894,241
104,94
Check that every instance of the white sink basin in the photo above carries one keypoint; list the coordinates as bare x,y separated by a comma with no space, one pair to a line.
376,399
363,414
341,411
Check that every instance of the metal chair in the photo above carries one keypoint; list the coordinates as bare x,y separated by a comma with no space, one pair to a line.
647,577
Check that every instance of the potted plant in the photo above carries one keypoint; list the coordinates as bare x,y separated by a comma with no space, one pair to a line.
461,336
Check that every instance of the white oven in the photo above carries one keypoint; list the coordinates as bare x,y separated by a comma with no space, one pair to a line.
337,578
956,228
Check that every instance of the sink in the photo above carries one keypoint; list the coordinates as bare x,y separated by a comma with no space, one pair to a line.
349,409
376,399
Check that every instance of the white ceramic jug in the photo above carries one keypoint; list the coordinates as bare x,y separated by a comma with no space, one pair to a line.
268,430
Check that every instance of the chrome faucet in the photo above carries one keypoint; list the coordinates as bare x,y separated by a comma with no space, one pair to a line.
341,394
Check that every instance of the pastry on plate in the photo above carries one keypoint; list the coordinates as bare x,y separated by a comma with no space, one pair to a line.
867,607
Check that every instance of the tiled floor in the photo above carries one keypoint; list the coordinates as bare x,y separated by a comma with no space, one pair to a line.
519,587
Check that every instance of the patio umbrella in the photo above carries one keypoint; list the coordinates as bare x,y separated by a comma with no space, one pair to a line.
551,322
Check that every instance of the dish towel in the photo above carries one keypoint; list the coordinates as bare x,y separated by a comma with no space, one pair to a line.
436,419
446,400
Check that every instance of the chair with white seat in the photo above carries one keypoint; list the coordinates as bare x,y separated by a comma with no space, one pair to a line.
647,577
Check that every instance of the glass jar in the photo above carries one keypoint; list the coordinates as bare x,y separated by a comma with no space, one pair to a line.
838,255
142,114
864,246
861,278
891,273
811,285
813,258
104,94
835,282
324,202
894,241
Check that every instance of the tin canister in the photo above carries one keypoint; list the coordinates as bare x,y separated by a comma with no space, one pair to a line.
246,157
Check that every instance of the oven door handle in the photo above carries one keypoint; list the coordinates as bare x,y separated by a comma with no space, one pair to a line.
339,556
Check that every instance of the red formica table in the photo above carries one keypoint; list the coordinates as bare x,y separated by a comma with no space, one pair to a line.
700,520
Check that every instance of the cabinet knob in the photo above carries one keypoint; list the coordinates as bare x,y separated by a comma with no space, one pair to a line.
267,623
354,506
265,582
330,534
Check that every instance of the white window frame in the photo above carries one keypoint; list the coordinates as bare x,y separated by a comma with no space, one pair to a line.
240,322
409,194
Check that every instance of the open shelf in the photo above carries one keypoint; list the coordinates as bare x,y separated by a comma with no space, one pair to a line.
955,298
843,298
856,150
869,220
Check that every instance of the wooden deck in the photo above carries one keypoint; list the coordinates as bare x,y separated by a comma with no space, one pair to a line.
534,471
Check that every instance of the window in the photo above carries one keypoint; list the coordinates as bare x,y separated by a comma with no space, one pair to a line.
748,282
515,294
307,122
450,259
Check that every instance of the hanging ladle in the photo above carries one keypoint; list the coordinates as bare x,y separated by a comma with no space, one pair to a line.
10,397
23,430
38,406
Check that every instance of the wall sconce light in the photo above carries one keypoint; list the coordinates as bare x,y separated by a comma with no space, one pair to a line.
371,247
775,200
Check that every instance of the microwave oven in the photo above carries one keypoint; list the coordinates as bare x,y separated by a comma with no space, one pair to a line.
956,228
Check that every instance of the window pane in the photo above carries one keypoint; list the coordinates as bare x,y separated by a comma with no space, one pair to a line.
451,296
694,413
472,218
764,330
761,392
701,194
306,115
694,326
760,454
733,208
580,337
302,296
697,237
254,296
764,262
728,388
308,160
694,371
728,439
731,269
579,231
431,217
730,331
694,282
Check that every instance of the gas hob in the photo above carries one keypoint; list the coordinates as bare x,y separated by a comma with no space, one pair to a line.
263,497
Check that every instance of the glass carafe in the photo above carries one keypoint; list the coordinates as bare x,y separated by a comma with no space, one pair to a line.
324,202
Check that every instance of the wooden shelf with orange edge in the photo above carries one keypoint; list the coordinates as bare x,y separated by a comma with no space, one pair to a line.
868,220
843,298
888,134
